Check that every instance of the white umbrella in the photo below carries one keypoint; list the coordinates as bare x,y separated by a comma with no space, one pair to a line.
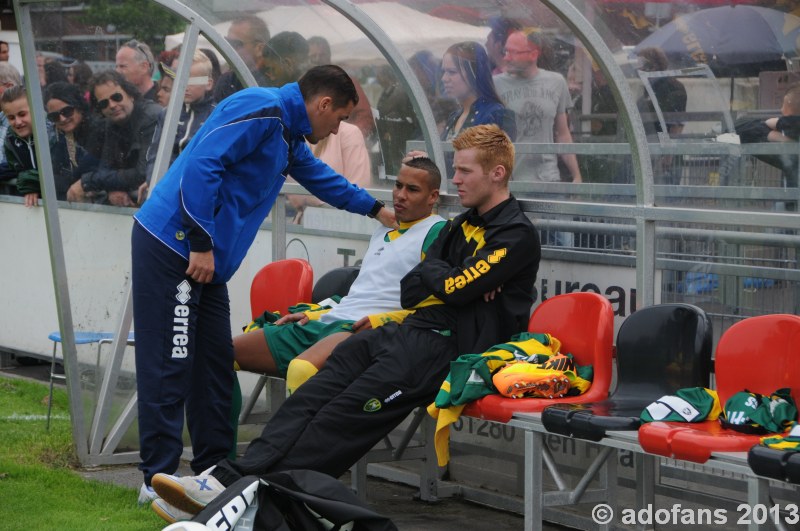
410,30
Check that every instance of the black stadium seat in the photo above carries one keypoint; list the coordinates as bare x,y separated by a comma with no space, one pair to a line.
334,282
660,349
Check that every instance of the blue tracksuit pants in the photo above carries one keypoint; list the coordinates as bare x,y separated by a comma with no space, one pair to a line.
184,359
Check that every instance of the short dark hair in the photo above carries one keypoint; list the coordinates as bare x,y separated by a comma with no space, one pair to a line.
428,166
287,44
329,80
112,76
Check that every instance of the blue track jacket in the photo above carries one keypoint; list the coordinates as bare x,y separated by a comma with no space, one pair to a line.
222,186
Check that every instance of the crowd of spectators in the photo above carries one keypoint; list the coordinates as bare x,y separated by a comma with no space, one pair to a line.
115,117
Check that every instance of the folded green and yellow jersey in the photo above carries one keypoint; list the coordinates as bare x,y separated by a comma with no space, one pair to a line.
692,404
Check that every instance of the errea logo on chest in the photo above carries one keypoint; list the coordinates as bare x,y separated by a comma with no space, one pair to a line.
481,267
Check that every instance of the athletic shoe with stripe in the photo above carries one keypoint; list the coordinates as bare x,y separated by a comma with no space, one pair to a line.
146,494
188,493
168,512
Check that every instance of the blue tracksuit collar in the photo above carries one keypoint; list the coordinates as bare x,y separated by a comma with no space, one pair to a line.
296,118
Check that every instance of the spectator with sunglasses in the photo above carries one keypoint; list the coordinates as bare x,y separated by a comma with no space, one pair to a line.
77,141
69,112
129,124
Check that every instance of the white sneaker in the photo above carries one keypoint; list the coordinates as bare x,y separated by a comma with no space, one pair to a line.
187,526
188,493
146,494
169,512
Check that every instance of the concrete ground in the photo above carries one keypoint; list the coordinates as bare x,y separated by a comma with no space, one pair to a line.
394,500
391,499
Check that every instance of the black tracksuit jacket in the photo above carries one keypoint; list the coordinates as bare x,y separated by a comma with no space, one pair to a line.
472,256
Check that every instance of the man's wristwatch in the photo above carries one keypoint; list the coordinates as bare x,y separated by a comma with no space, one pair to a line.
376,208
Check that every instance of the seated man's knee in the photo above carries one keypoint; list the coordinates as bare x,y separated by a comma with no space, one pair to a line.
298,372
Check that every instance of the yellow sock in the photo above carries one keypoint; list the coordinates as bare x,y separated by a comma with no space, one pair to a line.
236,366
298,373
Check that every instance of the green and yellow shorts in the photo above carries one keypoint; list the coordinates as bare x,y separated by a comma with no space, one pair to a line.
288,341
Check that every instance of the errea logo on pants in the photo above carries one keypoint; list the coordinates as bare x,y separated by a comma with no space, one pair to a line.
184,290
180,322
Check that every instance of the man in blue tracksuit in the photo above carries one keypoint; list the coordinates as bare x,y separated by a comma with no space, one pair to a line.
190,237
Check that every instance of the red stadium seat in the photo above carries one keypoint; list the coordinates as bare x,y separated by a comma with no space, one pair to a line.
584,323
277,286
759,354
281,284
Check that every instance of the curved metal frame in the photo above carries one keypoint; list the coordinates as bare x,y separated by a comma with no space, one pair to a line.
101,443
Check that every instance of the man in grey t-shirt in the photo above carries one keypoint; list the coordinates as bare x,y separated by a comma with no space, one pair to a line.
540,99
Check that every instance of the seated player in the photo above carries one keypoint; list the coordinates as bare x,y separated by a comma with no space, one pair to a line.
297,345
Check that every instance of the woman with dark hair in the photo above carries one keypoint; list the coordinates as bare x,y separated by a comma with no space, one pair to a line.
467,78
78,139
70,114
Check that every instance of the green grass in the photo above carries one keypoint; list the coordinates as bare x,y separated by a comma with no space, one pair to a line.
40,488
